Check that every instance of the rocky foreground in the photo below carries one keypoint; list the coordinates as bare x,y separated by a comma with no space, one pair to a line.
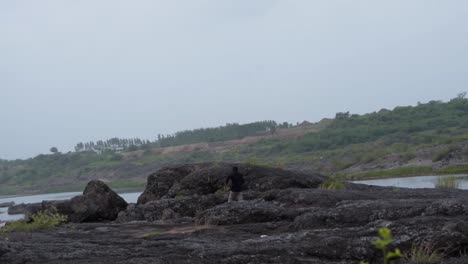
183,217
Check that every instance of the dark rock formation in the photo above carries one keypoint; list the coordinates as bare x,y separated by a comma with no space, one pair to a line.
23,208
7,204
170,208
285,219
4,248
208,178
97,203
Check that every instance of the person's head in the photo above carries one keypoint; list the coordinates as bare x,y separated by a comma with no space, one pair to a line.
235,169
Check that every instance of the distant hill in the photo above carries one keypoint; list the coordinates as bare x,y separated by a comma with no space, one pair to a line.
428,138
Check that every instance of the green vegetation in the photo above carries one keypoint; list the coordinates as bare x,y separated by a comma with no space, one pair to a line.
447,182
424,254
443,153
332,184
382,243
222,133
386,143
53,150
40,220
113,144
419,254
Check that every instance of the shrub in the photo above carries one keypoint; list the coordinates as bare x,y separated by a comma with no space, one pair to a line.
424,254
382,243
39,220
332,184
447,182
442,154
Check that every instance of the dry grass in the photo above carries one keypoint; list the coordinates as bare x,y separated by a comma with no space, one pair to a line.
424,254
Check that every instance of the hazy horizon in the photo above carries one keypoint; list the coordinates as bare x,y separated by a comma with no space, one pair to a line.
75,71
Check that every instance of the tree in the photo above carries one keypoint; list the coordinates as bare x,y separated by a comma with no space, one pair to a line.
54,150
460,97
342,115
273,130
79,147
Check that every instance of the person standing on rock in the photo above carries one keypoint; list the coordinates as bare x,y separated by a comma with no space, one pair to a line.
237,181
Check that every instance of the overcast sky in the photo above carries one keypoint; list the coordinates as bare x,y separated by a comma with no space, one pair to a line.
80,70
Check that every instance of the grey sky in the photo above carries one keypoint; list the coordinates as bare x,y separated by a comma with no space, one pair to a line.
80,70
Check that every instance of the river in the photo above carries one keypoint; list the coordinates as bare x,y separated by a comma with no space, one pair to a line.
403,182
415,182
4,216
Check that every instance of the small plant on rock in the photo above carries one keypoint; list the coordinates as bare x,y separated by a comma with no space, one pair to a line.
382,243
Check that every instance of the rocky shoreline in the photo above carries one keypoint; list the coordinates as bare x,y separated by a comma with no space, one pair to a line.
183,217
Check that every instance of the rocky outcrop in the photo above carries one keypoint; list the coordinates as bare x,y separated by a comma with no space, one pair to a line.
170,208
7,204
209,178
356,213
245,212
4,248
23,208
183,217
98,203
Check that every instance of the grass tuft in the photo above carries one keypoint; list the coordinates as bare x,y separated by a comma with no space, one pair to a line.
447,182
424,254
332,184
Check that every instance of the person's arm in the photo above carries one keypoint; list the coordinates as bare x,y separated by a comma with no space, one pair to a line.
227,179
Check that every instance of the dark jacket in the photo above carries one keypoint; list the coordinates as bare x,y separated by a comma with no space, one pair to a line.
237,180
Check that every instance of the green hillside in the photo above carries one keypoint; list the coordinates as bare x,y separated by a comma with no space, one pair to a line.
425,139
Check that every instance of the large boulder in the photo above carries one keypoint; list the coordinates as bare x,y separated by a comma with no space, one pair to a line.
209,178
98,203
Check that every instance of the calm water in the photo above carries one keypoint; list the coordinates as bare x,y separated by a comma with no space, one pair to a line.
415,182
129,197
